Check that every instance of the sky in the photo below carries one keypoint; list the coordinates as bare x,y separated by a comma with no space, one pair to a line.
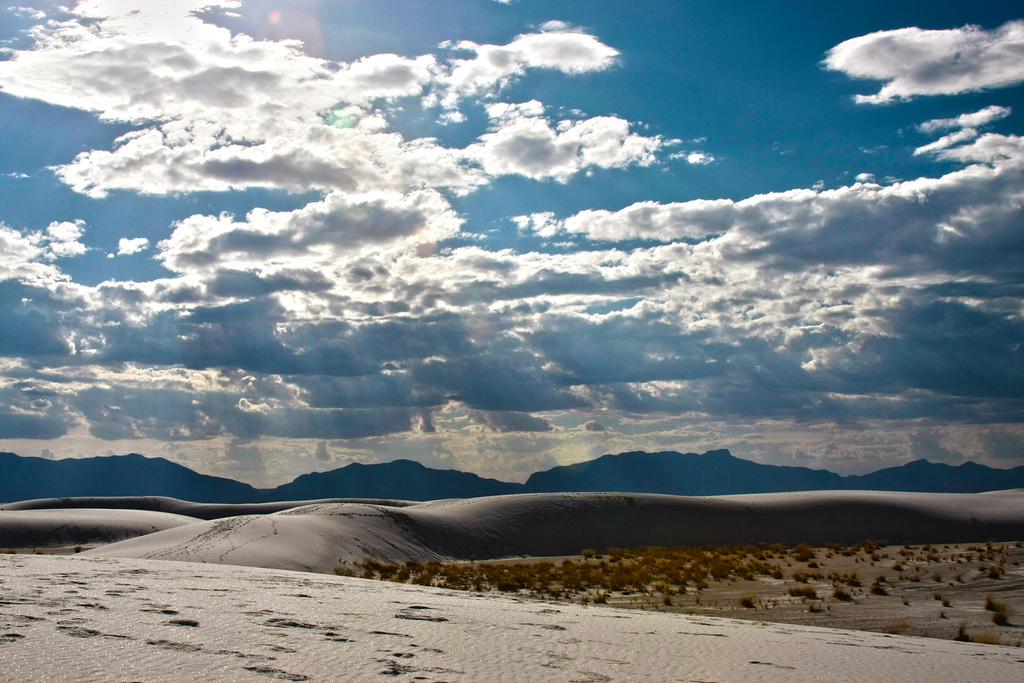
266,238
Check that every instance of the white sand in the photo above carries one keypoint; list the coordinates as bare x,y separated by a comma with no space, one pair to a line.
75,618
181,507
48,528
320,536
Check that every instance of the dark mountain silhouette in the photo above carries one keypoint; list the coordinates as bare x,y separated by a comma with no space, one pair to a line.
114,475
402,479
713,473
933,476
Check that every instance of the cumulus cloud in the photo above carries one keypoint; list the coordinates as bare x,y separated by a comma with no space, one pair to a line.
313,235
914,61
127,246
493,66
62,239
523,142
226,112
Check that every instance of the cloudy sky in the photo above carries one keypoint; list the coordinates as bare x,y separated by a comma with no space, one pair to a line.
264,238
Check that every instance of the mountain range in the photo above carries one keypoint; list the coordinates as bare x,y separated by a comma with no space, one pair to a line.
712,473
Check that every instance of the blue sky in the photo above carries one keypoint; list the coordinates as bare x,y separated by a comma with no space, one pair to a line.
262,238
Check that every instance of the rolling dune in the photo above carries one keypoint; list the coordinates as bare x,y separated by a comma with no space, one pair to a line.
49,528
319,536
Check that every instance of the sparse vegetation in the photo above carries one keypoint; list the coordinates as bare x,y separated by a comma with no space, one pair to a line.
710,580
899,626
988,638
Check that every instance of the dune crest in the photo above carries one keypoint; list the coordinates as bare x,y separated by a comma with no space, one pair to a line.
320,536
48,528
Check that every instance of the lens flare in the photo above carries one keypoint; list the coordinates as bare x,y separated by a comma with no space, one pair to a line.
294,24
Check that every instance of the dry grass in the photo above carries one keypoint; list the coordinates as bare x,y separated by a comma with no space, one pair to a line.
987,637
780,583
645,571
899,626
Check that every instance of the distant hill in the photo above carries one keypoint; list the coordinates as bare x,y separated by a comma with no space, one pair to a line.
939,478
712,473
402,479
114,475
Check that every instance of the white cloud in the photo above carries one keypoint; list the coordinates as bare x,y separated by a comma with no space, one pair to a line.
311,237
247,406
965,129
523,142
975,119
126,246
494,66
27,13
224,112
914,61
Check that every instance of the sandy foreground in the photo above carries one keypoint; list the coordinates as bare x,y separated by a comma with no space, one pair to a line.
78,618
196,592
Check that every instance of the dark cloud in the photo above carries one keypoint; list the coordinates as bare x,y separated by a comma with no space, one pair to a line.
504,421
32,321
128,413
299,423
509,383
623,350
175,415
237,283
321,453
394,390
32,426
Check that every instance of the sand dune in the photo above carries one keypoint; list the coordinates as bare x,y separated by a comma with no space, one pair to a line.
182,507
75,618
320,536
49,528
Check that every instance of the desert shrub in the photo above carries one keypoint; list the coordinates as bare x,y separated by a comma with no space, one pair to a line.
878,589
988,638
803,592
1001,618
961,634
802,552
850,578
840,594
993,606
588,553
747,601
898,626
